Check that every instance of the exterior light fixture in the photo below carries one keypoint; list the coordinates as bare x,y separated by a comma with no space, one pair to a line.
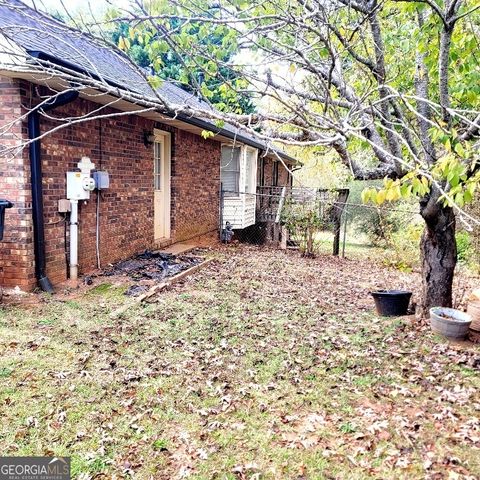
148,138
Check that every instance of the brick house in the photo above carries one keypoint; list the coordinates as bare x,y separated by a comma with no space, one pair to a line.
164,177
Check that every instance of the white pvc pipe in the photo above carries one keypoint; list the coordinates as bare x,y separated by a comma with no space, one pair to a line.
97,230
74,240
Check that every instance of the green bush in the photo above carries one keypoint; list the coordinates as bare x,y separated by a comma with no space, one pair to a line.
356,209
404,252
474,235
381,224
378,225
464,247
304,222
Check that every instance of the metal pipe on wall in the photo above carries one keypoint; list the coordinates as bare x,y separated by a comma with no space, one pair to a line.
74,240
37,187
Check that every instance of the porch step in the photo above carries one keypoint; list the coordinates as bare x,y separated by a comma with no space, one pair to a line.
180,248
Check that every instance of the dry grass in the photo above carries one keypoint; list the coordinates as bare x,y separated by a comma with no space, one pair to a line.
264,365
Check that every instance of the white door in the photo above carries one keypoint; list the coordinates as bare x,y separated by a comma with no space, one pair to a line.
161,185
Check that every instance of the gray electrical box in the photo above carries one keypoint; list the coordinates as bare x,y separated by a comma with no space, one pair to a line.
102,180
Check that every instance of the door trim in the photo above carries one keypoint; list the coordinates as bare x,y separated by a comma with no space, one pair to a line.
165,139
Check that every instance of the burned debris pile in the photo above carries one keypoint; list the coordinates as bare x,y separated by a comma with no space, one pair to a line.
151,267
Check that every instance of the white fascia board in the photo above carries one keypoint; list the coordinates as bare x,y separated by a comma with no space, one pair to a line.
12,56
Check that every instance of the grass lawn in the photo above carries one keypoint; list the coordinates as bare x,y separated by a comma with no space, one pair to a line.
263,365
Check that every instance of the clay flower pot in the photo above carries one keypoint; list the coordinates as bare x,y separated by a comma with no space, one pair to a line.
473,309
449,322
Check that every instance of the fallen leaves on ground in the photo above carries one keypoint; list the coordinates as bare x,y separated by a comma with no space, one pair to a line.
263,365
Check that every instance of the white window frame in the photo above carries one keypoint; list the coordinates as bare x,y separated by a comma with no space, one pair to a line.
158,152
250,177
244,176
238,172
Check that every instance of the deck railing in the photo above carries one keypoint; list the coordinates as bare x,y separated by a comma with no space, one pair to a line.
268,201
330,204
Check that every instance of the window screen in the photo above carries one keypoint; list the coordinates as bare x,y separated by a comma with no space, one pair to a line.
230,170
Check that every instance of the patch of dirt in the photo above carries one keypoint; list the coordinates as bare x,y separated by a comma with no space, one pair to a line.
135,274
155,266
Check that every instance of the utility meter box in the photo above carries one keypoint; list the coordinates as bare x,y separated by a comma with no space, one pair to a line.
102,180
79,185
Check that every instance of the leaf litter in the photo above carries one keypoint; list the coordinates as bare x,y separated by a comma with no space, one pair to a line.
263,365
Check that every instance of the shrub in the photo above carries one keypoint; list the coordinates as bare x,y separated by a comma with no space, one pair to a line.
404,253
474,236
378,225
464,247
304,222
356,209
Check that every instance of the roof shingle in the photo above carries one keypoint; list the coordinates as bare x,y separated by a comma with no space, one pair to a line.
38,32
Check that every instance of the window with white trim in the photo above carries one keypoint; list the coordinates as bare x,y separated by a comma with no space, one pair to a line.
250,170
230,170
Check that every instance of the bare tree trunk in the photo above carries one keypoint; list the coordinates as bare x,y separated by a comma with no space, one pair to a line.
439,257
309,242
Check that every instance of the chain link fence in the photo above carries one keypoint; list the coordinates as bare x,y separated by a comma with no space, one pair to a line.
285,217
336,221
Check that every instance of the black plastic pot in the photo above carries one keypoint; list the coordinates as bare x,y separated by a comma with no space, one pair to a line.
391,303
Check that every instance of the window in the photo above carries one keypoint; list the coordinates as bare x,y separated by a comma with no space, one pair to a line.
275,174
250,170
157,165
261,171
230,170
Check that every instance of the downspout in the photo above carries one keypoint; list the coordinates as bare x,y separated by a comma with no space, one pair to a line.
36,182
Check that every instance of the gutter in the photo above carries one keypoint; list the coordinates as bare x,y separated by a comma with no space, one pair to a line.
37,187
196,122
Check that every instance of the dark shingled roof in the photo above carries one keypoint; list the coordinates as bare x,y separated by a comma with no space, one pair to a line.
44,36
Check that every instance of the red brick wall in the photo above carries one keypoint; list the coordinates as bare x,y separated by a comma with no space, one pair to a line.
16,248
195,185
126,209
267,165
